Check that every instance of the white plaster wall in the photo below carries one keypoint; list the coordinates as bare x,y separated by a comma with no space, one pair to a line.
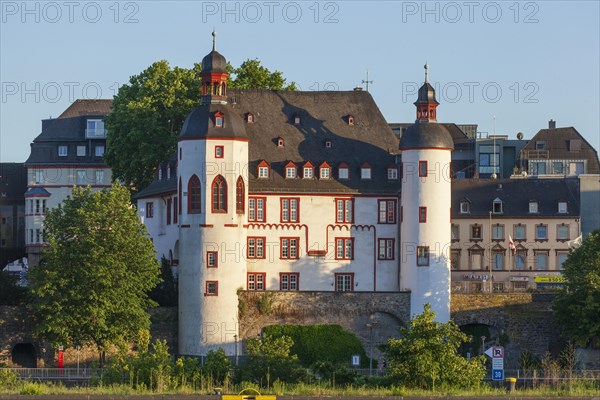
209,322
428,284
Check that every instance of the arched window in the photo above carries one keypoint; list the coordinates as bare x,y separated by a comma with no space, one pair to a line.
194,195
219,195
240,193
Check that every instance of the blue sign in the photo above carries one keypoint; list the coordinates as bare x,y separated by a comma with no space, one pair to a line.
498,374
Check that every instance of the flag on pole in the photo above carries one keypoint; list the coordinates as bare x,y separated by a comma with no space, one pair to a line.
576,242
511,245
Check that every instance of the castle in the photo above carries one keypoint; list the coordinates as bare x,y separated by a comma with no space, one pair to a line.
297,191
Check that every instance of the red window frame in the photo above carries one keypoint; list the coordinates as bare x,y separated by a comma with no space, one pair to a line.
253,247
287,246
194,202
389,216
346,211
240,195
422,169
418,256
345,255
219,195
290,201
169,204
175,209
345,274
386,248
254,284
149,209
215,262
422,214
222,151
288,281
253,209
207,292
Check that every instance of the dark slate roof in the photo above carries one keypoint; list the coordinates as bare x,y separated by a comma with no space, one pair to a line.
69,130
214,62
157,187
458,136
200,123
87,107
36,191
557,144
13,182
424,134
426,94
515,195
323,117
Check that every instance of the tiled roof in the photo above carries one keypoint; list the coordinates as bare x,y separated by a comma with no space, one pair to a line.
557,143
515,195
87,107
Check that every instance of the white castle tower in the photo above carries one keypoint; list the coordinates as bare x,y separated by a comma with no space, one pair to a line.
212,180
426,200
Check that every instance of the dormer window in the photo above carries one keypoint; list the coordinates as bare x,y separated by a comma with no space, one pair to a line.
290,170
280,142
540,145
392,172
296,119
263,170
328,144
168,171
343,171
365,171
562,207
160,172
325,171
219,119
533,207
497,206
307,171
350,120
250,118
62,151
465,207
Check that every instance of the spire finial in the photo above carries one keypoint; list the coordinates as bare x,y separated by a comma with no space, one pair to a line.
214,35
426,66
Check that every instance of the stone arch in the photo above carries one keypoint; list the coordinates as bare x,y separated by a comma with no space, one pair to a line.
24,355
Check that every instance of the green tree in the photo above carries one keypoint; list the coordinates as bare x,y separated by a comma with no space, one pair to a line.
426,355
165,293
577,307
149,111
92,285
270,360
217,366
251,75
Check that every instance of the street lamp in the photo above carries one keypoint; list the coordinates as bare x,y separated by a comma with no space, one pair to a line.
482,345
370,326
491,255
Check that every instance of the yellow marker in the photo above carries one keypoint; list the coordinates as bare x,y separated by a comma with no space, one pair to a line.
254,396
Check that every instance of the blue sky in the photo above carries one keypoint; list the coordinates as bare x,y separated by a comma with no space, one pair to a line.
523,62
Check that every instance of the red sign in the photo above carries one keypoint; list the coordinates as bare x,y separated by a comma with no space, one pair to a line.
61,354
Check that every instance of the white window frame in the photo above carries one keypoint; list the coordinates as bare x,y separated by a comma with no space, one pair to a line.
392,174
562,207
63,151
325,173
263,172
307,172
365,173
99,151
343,173
534,207
81,151
290,172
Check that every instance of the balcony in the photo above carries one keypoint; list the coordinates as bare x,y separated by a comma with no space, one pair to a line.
95,133
537,155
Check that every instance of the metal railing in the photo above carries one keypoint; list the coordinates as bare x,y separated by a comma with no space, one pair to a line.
92,133
63,374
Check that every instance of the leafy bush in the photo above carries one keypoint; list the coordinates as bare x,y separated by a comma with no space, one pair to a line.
317,343
8,379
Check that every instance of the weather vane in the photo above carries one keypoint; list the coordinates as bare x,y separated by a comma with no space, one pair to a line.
367,81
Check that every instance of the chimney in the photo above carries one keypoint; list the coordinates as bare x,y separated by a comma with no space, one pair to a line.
552,124
358,89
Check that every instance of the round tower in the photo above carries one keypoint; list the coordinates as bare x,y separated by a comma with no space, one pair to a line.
425,231
212,192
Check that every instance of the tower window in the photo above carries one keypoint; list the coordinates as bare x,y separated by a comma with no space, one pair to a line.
240,195
212,288
422,214
422,168
422,256
219,119
194,198
212,259
219,151
219,195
